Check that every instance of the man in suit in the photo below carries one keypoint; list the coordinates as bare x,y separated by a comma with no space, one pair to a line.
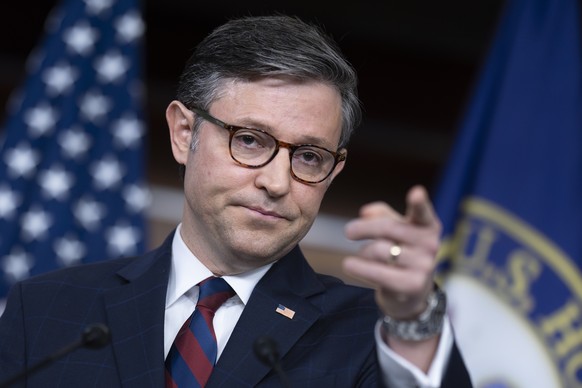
264,111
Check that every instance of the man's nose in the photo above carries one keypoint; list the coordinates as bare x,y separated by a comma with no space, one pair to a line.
275,177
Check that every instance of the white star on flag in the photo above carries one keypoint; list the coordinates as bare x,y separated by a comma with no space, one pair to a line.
21,160
17,265
56,182
74,143
80,38
111,67
127,132
59,79
129,27
9,201
69,250
89,213
107,173
95,106
97,6
35,224
137,198
40,119
122,239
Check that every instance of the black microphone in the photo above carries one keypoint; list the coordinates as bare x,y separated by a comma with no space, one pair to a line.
266,351
95,336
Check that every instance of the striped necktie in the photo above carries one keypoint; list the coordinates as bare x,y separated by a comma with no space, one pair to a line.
193,353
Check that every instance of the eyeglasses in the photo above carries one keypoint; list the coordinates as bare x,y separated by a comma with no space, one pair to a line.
254,148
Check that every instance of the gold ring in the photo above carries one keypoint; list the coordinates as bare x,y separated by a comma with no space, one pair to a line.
395,251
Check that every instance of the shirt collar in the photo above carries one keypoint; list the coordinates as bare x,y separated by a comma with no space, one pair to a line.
187,271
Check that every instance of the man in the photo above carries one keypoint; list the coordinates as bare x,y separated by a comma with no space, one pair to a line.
264,111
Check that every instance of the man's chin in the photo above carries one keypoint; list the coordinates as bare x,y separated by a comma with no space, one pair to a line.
261,251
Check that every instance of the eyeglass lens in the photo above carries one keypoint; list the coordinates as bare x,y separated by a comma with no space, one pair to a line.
255,149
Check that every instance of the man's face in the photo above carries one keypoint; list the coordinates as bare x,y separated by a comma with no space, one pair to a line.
236,218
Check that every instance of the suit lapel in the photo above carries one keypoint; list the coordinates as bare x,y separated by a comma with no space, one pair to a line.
290,282
135,313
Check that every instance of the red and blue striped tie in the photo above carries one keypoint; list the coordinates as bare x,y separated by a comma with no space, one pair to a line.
193,353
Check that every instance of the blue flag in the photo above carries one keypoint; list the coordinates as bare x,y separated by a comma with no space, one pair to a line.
72,184
511,204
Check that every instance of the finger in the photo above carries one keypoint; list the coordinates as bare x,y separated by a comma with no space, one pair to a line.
378,209
382,251
393,279
389,229
373,273
419,209
362,228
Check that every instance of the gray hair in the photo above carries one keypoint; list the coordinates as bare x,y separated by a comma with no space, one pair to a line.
252,47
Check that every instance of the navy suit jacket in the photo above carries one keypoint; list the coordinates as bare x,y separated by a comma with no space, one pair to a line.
328,343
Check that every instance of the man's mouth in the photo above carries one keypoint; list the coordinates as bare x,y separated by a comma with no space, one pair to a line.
266,212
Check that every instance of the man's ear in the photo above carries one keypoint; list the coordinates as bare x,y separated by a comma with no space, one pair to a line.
338,168
180,120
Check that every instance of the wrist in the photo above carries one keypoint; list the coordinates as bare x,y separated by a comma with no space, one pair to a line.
428,324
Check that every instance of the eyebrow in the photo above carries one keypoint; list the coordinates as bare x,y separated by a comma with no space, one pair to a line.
304,139
308,139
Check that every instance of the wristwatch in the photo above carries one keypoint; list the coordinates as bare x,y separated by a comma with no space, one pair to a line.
427,325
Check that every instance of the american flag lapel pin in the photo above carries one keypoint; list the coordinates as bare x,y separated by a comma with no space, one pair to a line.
285,311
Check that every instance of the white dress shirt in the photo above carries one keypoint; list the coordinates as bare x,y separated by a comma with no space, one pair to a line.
182,295
185,273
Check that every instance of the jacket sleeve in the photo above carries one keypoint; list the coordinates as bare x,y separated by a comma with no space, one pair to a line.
12,337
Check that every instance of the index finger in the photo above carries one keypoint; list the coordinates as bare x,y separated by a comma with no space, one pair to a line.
419,209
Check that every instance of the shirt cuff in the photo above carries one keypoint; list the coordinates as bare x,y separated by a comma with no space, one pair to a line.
399,372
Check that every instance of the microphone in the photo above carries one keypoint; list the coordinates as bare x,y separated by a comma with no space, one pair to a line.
95,336
266,351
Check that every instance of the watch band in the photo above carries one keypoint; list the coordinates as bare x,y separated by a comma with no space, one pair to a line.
427,325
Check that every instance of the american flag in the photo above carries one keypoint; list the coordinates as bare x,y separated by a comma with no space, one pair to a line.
285,311
72,185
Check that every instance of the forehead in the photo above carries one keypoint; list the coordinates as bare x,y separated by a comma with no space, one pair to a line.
293,110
